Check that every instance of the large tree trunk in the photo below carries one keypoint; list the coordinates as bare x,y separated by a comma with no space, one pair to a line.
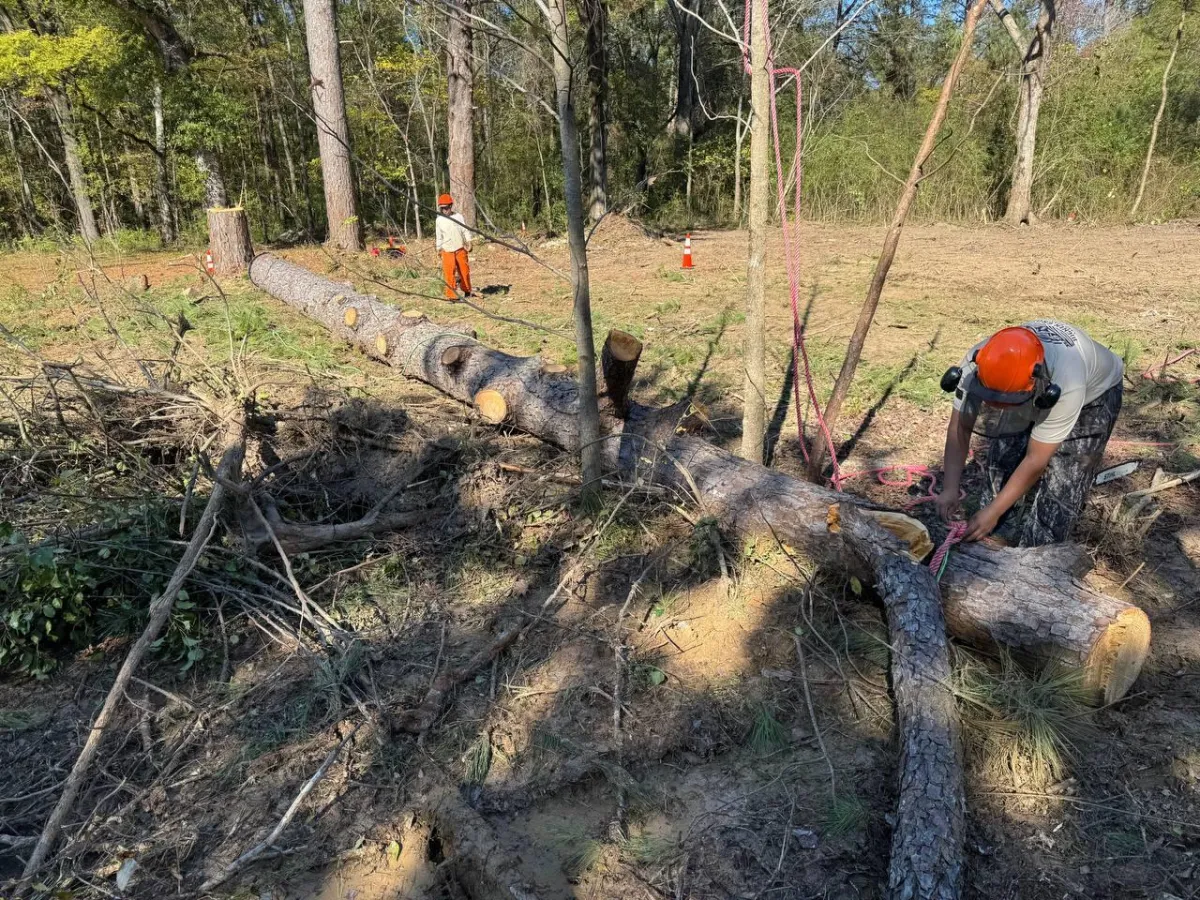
866,315
460,114
754,395
595,13
585,348
927,841
685,14
215,194
1026,599
162,192
78,177
28,210
333,129
1035,69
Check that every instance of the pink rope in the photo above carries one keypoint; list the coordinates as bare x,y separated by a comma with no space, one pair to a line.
791,233
958,531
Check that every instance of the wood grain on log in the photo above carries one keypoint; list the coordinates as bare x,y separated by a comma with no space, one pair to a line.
491,406
1024,599
229,240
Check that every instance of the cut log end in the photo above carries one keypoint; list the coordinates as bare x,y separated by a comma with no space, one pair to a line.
1117,656
553,368
381,344
350,317
914,536
492,406
623,346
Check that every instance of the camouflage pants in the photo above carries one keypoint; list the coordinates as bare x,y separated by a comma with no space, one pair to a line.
1046,514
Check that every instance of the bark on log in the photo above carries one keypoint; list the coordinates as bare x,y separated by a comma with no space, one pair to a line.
1026,599
927,841
229,240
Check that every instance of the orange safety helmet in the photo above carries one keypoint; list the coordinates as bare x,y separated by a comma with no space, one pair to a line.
445,200
1010,370
1009,362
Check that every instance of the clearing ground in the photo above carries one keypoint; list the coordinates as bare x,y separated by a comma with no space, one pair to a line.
723,775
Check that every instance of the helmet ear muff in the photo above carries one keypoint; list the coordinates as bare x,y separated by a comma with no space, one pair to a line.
951,378
1048,397
1048,393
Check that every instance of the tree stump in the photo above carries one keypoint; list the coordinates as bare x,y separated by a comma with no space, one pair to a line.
229,240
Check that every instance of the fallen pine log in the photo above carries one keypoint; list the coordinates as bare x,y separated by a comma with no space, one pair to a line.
926,857
1028,600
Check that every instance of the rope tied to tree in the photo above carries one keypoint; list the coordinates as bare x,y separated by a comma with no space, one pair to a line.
790,229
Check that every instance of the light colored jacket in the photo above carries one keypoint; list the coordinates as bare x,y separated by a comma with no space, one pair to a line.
451,233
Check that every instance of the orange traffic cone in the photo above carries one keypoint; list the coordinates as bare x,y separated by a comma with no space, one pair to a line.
687,251
209,266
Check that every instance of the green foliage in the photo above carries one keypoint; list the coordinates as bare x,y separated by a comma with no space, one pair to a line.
766,733
59,598
867,99
1027,722
477,761
45,606
34,61
846,814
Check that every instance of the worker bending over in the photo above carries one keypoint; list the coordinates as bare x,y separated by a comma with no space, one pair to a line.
453,241
1048,396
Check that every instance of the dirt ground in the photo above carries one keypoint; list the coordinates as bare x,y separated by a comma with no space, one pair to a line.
719,771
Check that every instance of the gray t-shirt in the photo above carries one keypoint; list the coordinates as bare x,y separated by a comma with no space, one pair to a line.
1082,368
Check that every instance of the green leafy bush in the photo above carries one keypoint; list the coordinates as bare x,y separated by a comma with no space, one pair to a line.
55,599
45,605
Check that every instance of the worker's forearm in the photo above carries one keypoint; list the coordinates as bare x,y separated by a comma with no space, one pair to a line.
1025,477
958,445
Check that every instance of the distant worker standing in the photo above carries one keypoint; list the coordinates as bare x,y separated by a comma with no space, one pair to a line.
453,242
1048,396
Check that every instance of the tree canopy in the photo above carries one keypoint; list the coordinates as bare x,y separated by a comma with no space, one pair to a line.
236,93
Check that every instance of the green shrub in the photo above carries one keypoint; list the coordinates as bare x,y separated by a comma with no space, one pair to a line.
57,599
46,606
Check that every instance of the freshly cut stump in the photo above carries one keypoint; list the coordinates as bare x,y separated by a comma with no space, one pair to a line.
229,240
1027,600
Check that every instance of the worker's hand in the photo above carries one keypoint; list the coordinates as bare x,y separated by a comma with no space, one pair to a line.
982,524
947,504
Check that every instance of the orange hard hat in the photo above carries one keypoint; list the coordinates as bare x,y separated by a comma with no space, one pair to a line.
1010,362
445,200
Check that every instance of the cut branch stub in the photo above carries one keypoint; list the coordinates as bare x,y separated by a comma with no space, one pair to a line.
381,344
455,356
412,317
553,368
350,317
619,362
492,406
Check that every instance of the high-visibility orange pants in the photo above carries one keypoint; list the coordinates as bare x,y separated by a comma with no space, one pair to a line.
456,270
